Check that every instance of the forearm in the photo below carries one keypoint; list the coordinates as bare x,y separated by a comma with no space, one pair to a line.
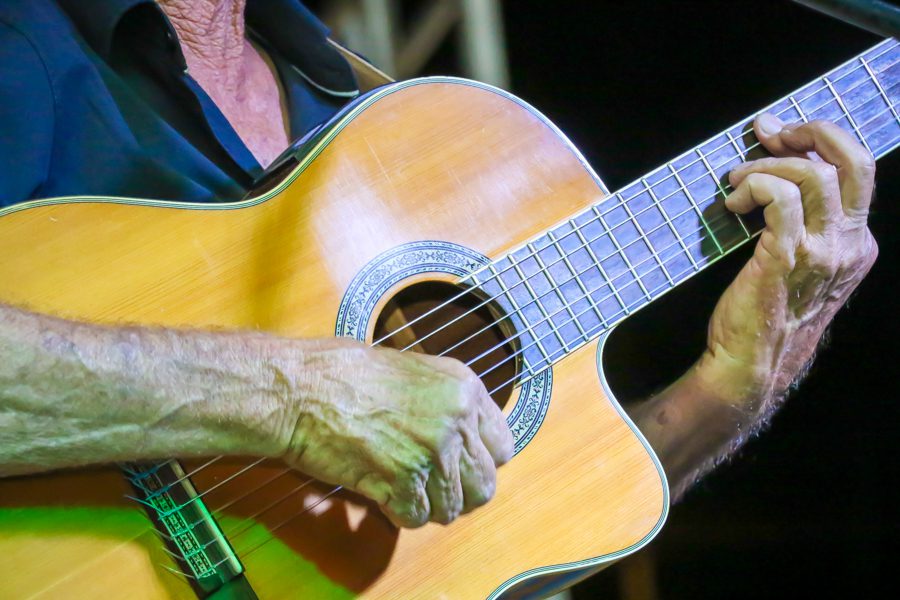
74,394
692,426
707,414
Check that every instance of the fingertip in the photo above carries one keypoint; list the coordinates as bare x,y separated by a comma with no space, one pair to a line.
734,206
405,520
768,125
737,202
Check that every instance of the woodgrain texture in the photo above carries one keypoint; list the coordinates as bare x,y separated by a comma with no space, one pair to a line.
436,161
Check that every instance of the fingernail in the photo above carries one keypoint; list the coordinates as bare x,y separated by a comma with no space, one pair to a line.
769,123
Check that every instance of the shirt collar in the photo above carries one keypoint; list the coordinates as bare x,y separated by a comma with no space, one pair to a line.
96,21
303,39
287,25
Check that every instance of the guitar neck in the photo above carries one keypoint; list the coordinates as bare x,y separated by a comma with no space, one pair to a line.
577,280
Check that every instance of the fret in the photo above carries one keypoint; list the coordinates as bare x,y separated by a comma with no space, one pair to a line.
846,112
798,109
537,302
737,147
881,91
722,191
646,240
618,246
670,224
586,294
517,309
599,264
696,208
557,288
603,273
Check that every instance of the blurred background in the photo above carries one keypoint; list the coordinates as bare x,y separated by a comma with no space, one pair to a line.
809,507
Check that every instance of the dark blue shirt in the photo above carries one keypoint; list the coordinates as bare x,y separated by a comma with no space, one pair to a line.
95,99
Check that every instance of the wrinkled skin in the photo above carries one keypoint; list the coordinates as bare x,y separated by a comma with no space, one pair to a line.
814,251
418,434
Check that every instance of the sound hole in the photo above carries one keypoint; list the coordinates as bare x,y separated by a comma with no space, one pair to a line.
456,326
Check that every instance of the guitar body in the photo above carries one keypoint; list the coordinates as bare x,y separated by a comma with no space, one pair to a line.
443,170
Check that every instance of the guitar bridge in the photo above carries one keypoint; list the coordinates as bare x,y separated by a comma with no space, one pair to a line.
190,532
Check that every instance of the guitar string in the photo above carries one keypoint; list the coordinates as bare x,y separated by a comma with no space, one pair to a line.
550,360
155,493
673,174
601,326
231,536
595,330
656,203
682,168
165,513
676,172
608,296
632,271
603,285
338,488
542,337
217,510
246,552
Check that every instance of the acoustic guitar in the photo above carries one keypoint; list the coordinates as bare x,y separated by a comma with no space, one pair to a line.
437,215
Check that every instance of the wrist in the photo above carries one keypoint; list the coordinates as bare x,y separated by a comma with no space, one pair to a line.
218,393
721,378
276,392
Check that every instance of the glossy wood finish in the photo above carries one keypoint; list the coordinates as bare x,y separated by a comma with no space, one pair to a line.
440,161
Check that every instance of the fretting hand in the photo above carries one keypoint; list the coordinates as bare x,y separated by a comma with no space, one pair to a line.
814,251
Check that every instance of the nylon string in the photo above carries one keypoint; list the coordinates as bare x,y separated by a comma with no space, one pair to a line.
673,280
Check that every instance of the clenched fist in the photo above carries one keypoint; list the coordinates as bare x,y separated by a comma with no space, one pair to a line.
417,434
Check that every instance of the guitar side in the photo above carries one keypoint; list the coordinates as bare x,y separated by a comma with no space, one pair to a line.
436,159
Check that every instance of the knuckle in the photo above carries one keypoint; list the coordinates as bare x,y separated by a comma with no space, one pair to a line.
473,388
757,181
871,250
755,178
417,518
821,126
444,518
863,164
458,370
415,512
788,192
483,494
823,172
462,403
821,262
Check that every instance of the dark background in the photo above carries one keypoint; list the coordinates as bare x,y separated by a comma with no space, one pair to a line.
808,508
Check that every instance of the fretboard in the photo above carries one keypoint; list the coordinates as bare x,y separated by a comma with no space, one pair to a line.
577,280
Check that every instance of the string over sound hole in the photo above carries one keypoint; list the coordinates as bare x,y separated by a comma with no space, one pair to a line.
435,318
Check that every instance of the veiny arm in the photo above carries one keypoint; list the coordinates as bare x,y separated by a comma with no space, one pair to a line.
813,252
74,394
417,434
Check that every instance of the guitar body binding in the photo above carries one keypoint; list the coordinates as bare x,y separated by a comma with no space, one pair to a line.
419,182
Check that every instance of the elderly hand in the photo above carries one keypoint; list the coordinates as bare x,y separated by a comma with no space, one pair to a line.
418,434
815,249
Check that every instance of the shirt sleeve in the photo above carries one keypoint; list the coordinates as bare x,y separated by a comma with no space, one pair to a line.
26,118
